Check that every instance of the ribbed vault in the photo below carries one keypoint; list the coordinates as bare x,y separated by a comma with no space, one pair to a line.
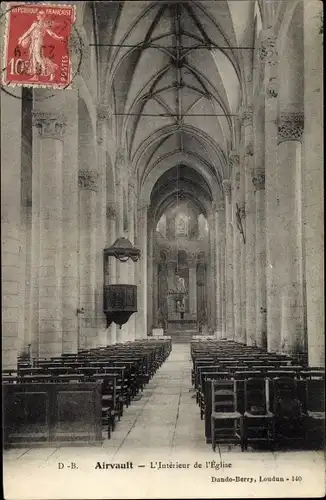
174,80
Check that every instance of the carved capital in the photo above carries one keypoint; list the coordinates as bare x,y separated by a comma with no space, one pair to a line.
220,206
226,185
267,50
120,158
249,149
88,179
50,125
234,159
272,87
245,115
290,127
258,180
237,180
110,211
104,112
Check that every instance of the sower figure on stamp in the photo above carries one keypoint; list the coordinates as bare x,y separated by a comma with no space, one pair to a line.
38,64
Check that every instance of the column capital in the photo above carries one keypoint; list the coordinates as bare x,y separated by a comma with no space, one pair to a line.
272,87
267,50
111,211
131,188
50,125
234,159
219,206
143,205
104,112
226,185
249,149
245,115
290,127
120,158
258,180
88,179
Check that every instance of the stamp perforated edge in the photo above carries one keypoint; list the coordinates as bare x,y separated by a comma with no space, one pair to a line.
6,14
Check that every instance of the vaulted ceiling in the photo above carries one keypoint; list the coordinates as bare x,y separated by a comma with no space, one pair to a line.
174,75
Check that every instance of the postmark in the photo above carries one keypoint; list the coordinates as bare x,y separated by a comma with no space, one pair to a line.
36,51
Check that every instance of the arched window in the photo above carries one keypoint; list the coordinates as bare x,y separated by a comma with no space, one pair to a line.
202,226
181,225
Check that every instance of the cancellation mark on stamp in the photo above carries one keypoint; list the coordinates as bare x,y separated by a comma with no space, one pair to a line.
37,43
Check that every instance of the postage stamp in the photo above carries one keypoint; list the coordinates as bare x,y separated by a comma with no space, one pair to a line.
36,51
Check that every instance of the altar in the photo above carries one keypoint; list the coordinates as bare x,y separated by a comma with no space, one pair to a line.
182,324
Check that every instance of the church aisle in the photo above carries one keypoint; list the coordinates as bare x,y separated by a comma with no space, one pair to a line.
162,427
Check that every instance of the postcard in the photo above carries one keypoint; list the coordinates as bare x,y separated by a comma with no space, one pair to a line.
162,249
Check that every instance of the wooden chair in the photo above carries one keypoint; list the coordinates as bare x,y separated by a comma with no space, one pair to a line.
315,413
288,411
258,422
226,421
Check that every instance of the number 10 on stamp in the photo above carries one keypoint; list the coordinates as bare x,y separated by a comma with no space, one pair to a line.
37,45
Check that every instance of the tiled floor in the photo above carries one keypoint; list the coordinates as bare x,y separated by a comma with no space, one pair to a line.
162,426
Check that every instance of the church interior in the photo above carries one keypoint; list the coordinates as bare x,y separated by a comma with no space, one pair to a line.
162,240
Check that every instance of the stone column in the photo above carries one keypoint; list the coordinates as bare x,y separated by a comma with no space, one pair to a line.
88,185
313,181
50,125
235,169
70,282
10,223
249,224
122,215
211,302
269,60
112,265
261,325
226,184
101,225
131,263
141,320
150,270
289,232
220,265
193,290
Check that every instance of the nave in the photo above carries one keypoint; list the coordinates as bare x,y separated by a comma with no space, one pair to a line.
162,425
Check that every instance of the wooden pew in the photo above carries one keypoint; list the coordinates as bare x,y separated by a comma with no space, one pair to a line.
52,414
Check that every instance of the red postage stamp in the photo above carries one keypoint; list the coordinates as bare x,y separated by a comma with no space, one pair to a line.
37,45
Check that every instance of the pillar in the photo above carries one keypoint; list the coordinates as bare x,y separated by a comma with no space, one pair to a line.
226,184
10,223
269,61
70,281
193,290
88,186
249,214
101,225
261,325
131,263
122,228
235,169
211,299
49,126
313,181
141,320
112,265
289,232
150,270
220,264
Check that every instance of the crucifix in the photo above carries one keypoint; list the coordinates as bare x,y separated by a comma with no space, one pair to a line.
239,222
